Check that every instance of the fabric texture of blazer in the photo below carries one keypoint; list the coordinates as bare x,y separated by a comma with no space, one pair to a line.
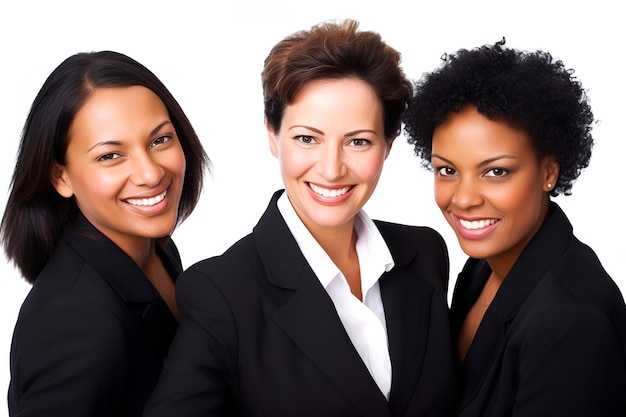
553,341
259,335
92,333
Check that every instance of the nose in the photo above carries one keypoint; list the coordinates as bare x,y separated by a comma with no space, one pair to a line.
467,194
331,164
146,170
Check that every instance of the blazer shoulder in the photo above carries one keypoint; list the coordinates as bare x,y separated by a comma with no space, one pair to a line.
581,276
70,279
419,239
420,248
227,269
425,233
236,255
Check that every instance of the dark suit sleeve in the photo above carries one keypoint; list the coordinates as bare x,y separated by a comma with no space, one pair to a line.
71,362
200,364
571,371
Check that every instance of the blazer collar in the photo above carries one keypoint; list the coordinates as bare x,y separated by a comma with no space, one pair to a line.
309,317
126,278
535,262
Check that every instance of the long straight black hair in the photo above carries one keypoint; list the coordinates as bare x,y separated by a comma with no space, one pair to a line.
36,214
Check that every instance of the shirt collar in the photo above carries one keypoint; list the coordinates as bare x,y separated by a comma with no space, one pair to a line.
374,255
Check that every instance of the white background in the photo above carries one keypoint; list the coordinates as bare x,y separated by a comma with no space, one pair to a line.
210,56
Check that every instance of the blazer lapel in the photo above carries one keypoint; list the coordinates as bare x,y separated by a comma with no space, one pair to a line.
309,317
127,280
407,303
534,263
487,343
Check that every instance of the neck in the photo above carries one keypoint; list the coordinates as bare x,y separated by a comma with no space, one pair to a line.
142,252
339,241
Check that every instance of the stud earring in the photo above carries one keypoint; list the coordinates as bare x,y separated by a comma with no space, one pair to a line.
549,186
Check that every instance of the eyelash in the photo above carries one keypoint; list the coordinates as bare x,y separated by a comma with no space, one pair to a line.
166,138
441,171
363,141
110,156
502,171
306,139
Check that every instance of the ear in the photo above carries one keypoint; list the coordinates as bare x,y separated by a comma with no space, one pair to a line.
551,173
271,136
60,180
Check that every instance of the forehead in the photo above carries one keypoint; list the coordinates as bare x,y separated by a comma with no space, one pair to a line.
475,135
113,111
331,97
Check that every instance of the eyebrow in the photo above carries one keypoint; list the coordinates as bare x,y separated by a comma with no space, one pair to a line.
483,163
117,143
349,134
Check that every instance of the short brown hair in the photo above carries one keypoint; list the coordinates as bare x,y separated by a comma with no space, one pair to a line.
333,50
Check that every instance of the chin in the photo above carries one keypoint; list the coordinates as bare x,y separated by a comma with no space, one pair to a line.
474,250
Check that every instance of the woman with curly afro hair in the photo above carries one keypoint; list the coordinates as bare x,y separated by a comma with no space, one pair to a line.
539,326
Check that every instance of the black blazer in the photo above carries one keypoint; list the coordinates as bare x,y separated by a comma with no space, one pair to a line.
553,341
92,333
259,335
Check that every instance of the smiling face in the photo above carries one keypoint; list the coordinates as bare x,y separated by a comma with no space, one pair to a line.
331,149
124,165
490,185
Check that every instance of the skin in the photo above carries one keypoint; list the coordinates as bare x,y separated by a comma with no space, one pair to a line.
331,150
493,190
125,168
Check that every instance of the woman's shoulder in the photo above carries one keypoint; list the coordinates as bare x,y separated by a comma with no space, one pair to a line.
583,277
388,226
61,303
71,285
229,266
421,236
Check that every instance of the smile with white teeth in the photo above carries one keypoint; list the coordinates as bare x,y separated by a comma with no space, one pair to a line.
147,201
477,224
325,192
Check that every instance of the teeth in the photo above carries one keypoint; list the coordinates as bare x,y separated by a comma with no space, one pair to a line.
147,201
325,192
477,224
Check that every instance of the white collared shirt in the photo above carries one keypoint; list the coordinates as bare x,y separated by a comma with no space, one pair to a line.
364,321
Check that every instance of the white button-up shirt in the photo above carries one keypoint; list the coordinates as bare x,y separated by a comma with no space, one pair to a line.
364,321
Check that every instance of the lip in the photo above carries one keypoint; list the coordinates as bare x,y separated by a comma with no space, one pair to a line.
149,204
481,226
329,194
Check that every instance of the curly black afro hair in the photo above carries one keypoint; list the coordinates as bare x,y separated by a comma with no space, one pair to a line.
530,91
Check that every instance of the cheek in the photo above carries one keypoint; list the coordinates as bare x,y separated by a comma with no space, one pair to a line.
104,185
179,163
293,163
95,183
369,171
519,197
443,194
98,192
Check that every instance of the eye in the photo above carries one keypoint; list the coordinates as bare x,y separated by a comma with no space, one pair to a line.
160,140
360,142
306,139
496,172
445,171
108,156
